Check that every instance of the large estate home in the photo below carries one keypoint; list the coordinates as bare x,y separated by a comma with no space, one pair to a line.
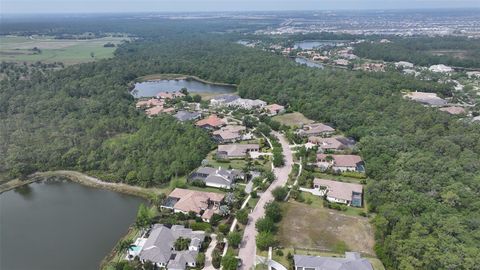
229,134
228,151
211,122
159,247
204,204
331,144
183,116
316,129
274,109
341,163
340,192
429,99
170,95
351,261
217,177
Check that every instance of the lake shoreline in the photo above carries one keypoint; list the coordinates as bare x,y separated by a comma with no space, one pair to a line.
81,178
171,76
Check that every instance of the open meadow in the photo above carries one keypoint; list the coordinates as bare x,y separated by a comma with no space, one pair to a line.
48,49
294,119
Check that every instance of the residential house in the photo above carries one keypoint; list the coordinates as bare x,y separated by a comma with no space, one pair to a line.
430,99
204,204
154,111
454,110
316,129
187,116
340,192
440,68
403,64
229,134
149,103
331,144
248,104
222,100
170,95
211,122
341,62
376,67
228,151
274,109
341,163
159,247
217,177
352,261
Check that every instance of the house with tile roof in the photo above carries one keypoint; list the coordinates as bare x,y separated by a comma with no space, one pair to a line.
236,150
274,109
341,163
316,129
217,177
229,134
204,204
331,144
340,192
211,122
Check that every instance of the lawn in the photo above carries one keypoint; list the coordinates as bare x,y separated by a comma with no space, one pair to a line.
314,227
294,119
68,51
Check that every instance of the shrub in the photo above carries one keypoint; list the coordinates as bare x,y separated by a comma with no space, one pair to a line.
234,239
242,216
223,228
279,193
200,226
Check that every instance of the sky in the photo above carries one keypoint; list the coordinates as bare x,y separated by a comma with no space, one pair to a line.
110,6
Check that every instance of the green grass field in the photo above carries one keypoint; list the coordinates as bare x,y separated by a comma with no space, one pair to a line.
20,49
294,119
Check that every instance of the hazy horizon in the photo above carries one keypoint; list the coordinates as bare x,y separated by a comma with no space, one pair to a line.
32,7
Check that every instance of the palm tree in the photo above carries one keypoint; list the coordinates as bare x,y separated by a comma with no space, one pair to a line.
123,246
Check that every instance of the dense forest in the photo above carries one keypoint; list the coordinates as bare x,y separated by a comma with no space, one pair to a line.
423,165
425,51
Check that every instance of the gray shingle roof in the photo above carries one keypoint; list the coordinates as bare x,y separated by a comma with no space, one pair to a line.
352,261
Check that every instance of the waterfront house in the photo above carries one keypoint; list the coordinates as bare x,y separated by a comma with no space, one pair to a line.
340,192
204,204
217,177
159,247
170,95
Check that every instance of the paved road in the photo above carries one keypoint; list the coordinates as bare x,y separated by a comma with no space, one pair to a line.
247,250
208,253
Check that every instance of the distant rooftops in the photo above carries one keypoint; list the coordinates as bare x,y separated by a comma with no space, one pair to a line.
187,116
212,121
440,68
431,99
453,110
352,261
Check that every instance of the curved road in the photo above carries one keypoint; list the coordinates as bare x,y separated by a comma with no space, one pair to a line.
247,250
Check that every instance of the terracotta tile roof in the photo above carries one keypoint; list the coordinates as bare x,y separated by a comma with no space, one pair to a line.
342,160
339,190
191,200
453,110
212,120
274,108
154,110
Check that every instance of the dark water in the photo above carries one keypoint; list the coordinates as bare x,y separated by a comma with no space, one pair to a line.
61,225
311,44
308,63
151,88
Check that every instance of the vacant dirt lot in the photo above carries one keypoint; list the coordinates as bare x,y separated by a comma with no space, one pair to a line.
305,226
292,119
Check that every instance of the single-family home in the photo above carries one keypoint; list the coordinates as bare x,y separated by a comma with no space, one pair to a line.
154,111
430,99
441,68
159,247
340,192
376,67
351,261
274,109
331,144
229,134
248,104
187,116
217,177
222,100
149,103
454,110
170,95
316,129
403,64
341,62
228,151
211,122
341,163
204,204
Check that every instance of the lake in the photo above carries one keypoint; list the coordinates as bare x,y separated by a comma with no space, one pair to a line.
311,44
61,225
151,88
308,63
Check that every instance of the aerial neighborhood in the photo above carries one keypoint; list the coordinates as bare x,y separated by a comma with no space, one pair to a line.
248,144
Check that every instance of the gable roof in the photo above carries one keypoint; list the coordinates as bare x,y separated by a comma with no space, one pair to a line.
327,143
340,190
236,150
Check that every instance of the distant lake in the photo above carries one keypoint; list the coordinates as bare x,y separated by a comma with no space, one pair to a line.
151,88
311,44
56,225
308,63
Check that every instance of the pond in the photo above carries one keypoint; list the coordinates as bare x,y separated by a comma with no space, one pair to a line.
151,88
308,63
58,224
312,44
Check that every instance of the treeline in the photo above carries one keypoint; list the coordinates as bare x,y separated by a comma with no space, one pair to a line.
425,51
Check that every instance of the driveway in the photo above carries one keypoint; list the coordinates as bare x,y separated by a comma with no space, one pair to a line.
247,250
208,253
